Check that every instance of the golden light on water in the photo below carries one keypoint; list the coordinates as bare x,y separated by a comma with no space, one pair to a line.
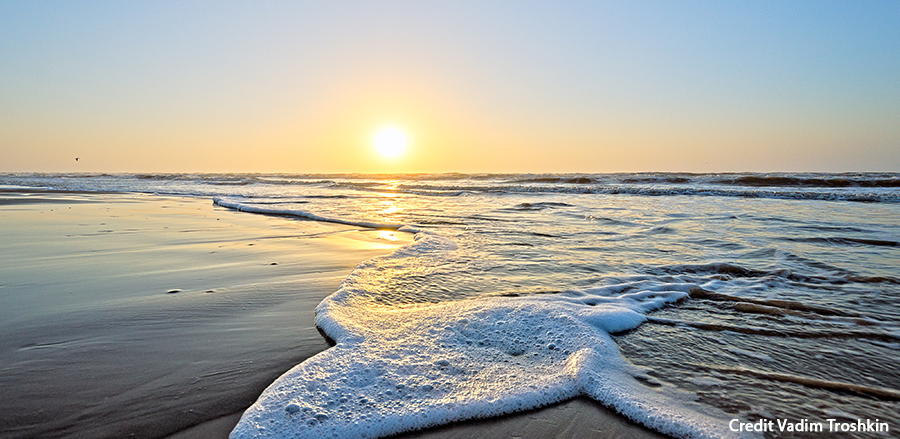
390,142
388,235
390,208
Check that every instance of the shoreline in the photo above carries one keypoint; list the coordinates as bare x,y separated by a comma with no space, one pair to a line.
205,314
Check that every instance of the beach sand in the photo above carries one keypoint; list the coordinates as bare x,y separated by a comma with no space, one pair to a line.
128,315
573,419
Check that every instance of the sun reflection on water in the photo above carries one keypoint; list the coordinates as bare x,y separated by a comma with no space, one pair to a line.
389,235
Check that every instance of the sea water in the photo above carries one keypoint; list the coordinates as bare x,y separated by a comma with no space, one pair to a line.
683,301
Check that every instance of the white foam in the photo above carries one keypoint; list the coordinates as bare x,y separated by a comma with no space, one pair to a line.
251,208
398,369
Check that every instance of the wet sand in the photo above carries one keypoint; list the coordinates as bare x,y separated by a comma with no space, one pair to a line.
140,316
148,316
577,418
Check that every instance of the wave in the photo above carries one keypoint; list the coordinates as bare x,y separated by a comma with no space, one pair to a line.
553,179
845,241
832,335
860,187
700,293
879,392
296,213
403,368
606,188
733,270
540,206
863,181
818,180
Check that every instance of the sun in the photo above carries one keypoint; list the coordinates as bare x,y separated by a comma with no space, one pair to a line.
390,142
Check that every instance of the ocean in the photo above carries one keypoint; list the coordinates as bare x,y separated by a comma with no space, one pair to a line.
682,301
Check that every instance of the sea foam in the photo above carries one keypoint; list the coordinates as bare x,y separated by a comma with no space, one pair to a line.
231,203
402,368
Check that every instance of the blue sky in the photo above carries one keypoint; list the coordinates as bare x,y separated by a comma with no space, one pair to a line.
479,86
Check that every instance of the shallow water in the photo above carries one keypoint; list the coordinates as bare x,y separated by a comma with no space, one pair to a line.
791,282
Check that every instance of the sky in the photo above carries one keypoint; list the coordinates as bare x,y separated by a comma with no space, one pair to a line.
480,86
